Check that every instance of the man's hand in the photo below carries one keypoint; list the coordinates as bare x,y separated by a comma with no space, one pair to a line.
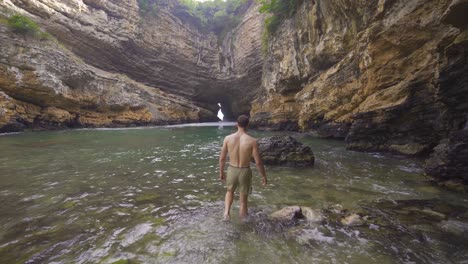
222,177
264,181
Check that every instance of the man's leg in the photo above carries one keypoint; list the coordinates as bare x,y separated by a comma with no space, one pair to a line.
227,204
243,205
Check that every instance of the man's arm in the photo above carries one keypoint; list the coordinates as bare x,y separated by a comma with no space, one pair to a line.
259,162
222,160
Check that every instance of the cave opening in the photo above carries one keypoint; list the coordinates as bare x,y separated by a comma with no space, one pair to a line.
220,113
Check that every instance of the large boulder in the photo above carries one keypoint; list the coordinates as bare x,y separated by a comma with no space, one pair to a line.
447,165
285,150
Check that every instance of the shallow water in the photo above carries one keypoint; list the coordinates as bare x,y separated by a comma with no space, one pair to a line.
152,196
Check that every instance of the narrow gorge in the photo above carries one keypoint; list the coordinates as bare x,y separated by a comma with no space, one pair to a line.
387,75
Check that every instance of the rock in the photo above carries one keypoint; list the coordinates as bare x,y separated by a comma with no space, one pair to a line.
287,214
455,227
394,81
336,208
285,150
448,164
415,212
456,14
352,220
311,215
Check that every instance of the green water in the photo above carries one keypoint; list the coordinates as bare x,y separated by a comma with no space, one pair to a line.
152,196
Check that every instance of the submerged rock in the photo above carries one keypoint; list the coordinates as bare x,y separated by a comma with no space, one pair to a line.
352,220
312,215
298,212
287,214
447,165
285,150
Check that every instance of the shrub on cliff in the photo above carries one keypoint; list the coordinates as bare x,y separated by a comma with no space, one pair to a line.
279,10
216,15
148,7
24,25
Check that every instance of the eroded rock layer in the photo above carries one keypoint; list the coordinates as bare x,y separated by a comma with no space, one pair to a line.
117,66
385,75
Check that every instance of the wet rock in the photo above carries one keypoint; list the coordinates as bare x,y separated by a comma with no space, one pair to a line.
287,214
336,208
285,150
455,227
334,130
448,164
311,215
352,220
413,212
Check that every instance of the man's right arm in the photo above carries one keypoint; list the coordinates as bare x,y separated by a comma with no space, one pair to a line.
259,162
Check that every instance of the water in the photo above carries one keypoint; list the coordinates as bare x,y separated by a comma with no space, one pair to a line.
152,196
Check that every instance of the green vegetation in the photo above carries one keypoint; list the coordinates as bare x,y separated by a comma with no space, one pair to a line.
216,15
24,25
279,10
148,7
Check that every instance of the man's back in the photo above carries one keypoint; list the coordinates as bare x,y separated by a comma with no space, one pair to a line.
240,148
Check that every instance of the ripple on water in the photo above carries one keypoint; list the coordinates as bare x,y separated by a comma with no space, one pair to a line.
136,233
32,198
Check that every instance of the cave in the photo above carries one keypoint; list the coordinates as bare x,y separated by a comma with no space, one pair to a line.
220,113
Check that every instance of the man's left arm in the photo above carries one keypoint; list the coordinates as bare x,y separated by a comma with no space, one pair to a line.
222,160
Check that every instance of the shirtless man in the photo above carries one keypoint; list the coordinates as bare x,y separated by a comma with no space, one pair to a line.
241,148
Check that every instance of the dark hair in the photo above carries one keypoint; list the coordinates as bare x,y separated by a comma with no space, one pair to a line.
243,121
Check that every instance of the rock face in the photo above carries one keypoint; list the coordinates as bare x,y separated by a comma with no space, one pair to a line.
285,150
449,162
383,75
113,66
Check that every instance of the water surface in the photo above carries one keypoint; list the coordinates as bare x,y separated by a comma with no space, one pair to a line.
152,196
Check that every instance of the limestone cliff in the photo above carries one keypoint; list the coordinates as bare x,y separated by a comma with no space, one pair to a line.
110,65
385,75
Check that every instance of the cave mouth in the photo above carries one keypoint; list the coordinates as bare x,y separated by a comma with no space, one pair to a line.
225,108
220,113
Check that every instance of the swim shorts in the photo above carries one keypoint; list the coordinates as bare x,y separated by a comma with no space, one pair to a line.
239,177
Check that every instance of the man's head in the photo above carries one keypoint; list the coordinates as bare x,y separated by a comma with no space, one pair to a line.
242,121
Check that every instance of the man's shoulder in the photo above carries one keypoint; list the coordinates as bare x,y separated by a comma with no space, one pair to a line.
250,138
229,136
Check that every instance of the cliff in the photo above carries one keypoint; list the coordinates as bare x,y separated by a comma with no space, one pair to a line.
384,75
108,64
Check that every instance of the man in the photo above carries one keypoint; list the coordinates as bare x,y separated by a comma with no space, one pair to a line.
241,148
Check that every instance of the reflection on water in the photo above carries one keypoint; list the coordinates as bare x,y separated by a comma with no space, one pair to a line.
152,196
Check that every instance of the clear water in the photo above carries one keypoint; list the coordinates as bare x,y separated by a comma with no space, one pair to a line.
152,196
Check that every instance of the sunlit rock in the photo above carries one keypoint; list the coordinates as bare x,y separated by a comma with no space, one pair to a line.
287,213
352,220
